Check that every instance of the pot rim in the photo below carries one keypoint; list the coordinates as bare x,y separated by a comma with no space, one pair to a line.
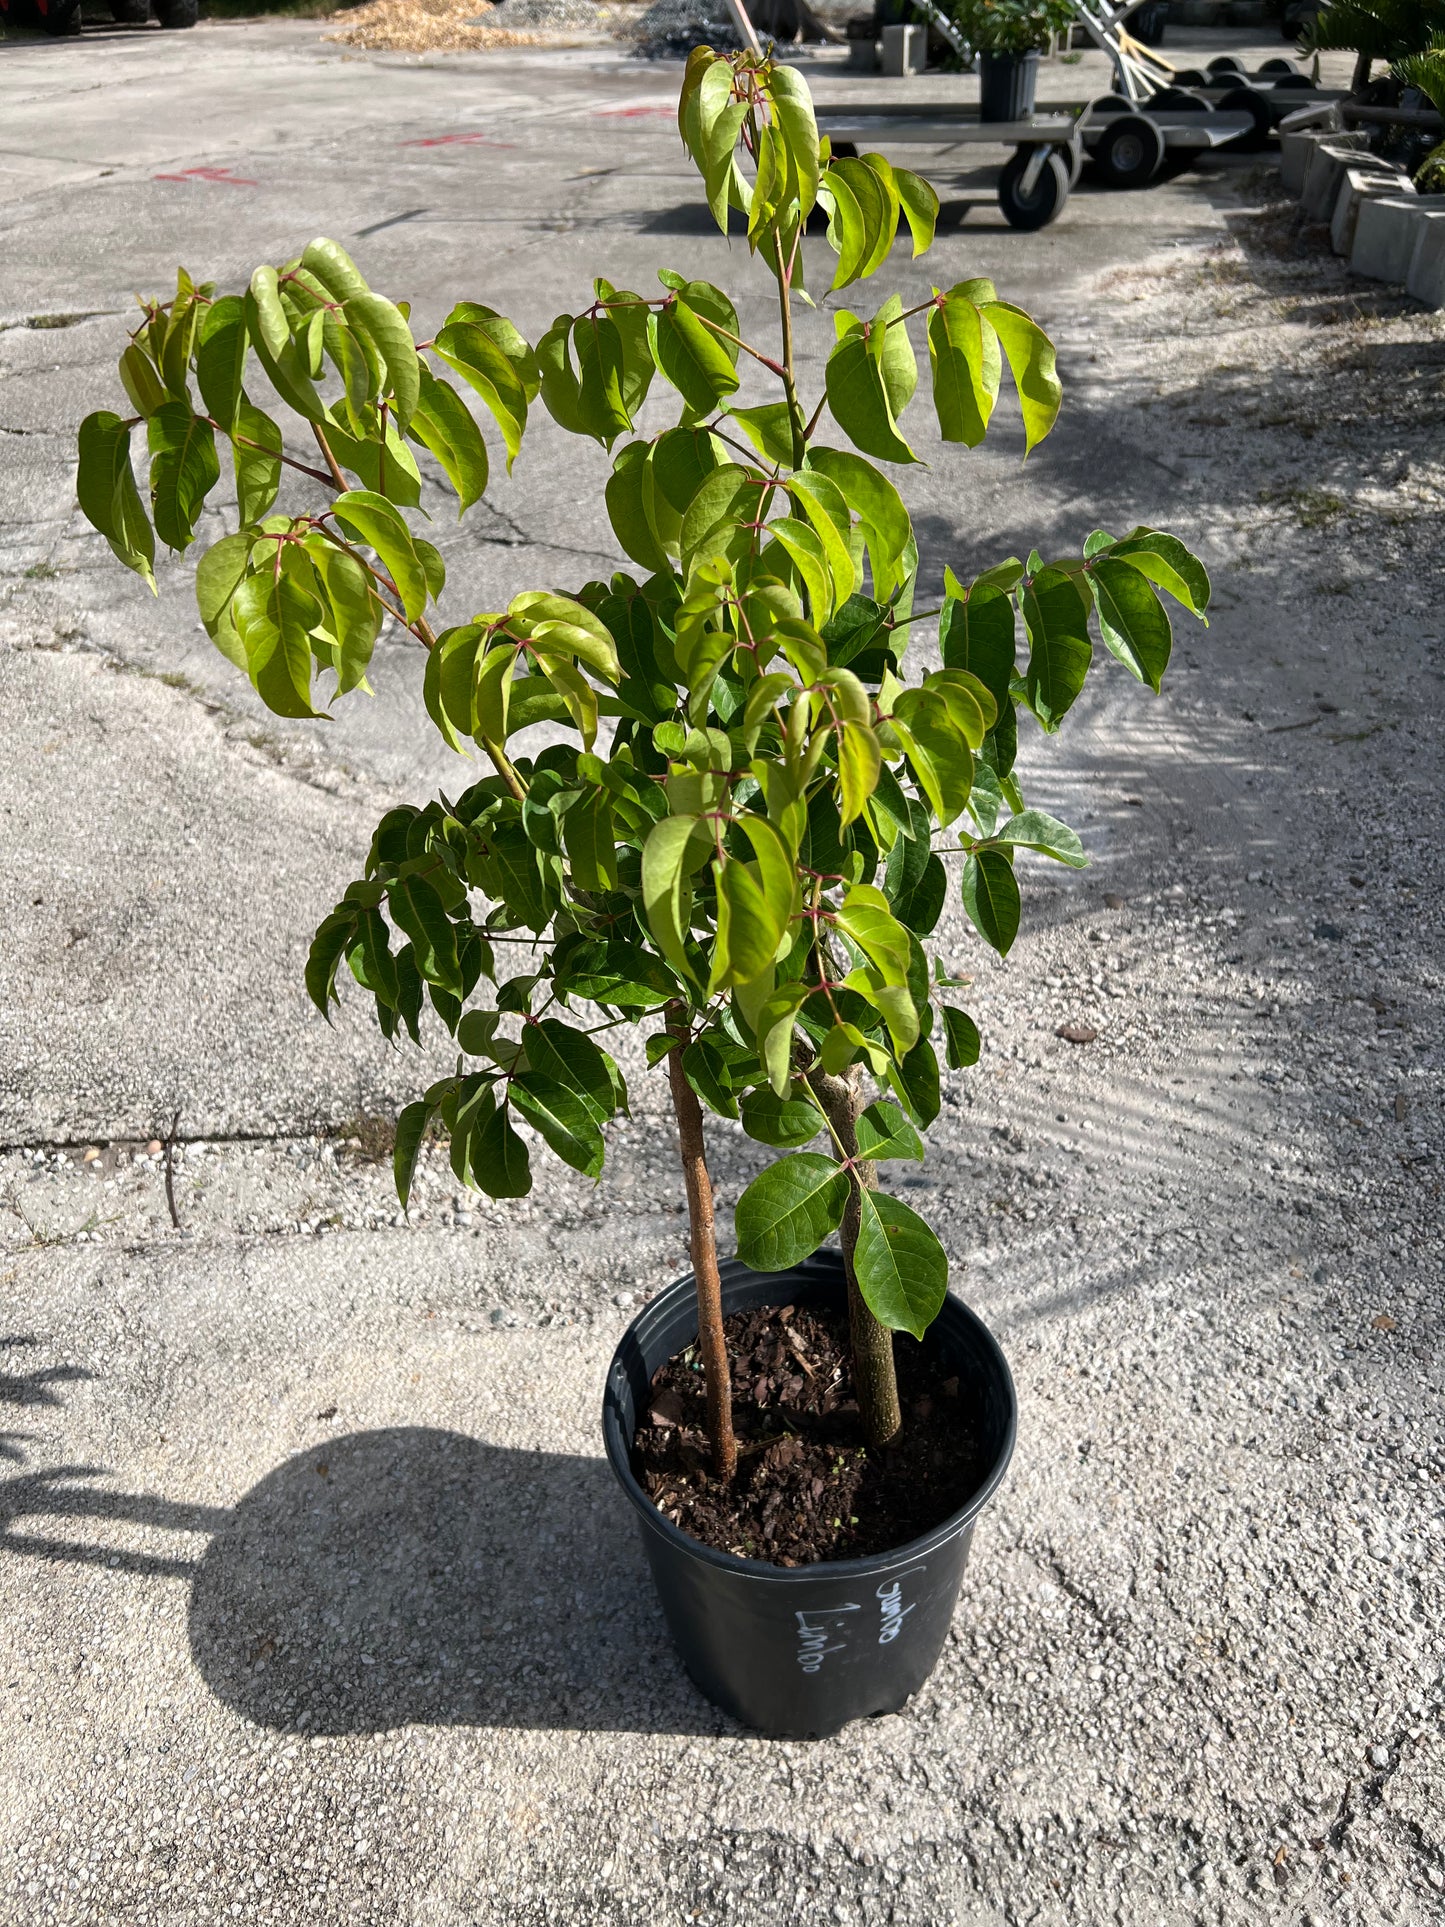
618,1447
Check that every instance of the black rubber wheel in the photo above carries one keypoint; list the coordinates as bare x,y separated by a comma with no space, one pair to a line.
1129,153
1177,99
1246,100
1272,69
1293,83
1112,104
1045,200
1226,64
1190,77
61,18
178,13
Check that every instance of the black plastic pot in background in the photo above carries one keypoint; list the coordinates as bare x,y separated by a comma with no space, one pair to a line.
797,1653
1007,85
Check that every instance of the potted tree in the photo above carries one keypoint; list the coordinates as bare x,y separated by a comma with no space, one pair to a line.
1008,36
743,838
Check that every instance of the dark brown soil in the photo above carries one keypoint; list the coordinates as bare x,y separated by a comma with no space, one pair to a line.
806,1487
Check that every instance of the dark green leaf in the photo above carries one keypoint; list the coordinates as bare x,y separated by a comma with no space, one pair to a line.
884,1132
1036,830
780,1121
328,947
963,1040
1132,620
564,1119
109,498
1059,647
499,1161
788,1210
411,1128
901,1268
184,470
991,898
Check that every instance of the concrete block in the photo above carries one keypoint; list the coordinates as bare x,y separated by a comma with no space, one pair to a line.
863,56
1362,184
1323,117
1386,232
1325,170
905,51
1426,279
1295,149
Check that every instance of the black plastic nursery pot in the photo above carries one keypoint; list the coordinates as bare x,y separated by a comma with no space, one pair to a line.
799,1652
1007,85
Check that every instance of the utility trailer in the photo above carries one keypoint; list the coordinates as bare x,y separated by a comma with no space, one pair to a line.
1126,147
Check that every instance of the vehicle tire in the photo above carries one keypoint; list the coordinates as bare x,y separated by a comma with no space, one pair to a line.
1223,64
130,13
1247,100
178,13
1179,99
1045,200
1273,69
1112,104
1293,83
60,17
1129,153
1190,77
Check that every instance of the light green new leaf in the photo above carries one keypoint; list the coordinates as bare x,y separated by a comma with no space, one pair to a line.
383,325
674,848
469,350
788,1210
219,574
269,328
901,1268
140,381
963,352
770,430
867,918
108,496
937,750
371,519
750,927
920,208
602,377
444,424
859,763
991,898
870,494
1031,358
793,106
590,834
1166,561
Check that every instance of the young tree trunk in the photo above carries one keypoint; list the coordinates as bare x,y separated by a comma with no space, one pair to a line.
717,1379
874,1375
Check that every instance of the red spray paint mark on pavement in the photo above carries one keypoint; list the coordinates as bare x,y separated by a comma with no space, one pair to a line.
221,174
457,140
632,113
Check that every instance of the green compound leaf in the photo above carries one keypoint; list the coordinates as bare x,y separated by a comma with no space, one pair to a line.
788,1210
901,1268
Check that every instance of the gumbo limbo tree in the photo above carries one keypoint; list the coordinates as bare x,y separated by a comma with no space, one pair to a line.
750,810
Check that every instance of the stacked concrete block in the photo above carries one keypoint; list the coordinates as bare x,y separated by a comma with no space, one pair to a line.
1426,279
905,51
1326,170
1364,183
1387,232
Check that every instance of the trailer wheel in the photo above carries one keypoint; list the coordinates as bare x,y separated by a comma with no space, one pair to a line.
1129,153
178,13
1223,64
1247,100
1178,99
1110,104
60,17
1190,77
1044,201
1272,69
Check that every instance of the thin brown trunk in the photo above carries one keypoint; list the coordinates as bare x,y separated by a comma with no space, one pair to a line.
717,1379
875,1377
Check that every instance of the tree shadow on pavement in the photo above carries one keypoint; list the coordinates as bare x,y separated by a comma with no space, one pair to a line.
412,1575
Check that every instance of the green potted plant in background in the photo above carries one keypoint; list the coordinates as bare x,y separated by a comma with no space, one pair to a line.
1008,36
743,838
